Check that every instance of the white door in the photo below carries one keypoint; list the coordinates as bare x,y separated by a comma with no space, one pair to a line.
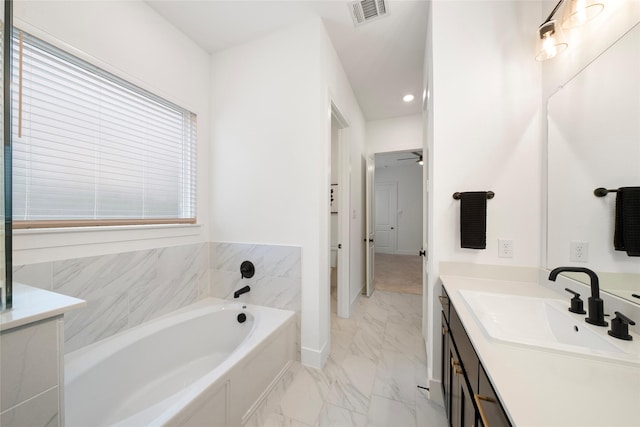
386,215
370,236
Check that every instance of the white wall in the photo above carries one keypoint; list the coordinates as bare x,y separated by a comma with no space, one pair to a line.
409,215
132,41
270,156
395,134
486,136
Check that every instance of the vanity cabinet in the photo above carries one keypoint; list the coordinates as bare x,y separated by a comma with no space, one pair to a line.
469,397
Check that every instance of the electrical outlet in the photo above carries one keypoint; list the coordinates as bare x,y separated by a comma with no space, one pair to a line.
579,252
505,248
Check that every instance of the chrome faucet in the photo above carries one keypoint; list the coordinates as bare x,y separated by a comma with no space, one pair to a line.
595,303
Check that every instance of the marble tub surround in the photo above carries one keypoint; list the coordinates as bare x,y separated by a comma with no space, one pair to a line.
372,373
277,282
277,278
122,290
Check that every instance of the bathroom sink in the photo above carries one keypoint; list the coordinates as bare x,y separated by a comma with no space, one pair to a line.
545,324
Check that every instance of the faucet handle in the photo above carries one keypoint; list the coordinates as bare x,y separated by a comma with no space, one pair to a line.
620,327
577,305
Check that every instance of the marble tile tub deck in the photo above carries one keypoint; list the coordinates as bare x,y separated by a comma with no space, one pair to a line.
371,378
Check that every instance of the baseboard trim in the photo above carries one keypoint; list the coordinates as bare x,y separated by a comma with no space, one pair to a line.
314,358
354,301
435,392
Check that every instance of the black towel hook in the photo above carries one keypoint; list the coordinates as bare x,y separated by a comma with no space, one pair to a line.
601,192
490,195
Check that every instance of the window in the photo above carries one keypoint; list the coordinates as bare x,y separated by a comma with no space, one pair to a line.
92,149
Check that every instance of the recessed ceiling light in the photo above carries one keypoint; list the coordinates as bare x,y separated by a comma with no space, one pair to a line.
407,98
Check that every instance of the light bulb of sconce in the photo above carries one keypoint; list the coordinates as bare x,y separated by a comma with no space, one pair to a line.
550,41
549,45
408,97
578,12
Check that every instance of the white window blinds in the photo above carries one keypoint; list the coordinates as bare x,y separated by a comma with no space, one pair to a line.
90,148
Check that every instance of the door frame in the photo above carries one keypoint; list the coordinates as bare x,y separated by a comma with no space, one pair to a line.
344,203
370,226
370,204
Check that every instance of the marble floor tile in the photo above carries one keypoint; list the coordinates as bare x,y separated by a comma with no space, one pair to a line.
385,412
340,344
396,377
377,360
305,397
277,420
353,384
335,416
366,344
429,413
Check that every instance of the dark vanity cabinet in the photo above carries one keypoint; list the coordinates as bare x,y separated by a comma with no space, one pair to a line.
469,397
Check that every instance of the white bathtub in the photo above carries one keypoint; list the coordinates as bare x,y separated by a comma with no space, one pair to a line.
196,367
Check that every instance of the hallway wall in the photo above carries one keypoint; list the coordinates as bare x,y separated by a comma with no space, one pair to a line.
395,134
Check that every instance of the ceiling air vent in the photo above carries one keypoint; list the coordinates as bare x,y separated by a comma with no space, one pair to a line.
367,10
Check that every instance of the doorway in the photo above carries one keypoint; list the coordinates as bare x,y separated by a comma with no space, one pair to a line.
398,218
339,208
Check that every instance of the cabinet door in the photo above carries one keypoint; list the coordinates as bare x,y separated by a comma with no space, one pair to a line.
462,411
489,408
446,368
456,381
467,409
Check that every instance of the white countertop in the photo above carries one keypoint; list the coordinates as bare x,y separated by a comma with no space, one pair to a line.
548,388
33,304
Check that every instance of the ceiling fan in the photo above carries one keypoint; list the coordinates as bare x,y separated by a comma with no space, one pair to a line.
418,159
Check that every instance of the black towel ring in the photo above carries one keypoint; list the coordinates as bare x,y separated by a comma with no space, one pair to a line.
601,192
490,195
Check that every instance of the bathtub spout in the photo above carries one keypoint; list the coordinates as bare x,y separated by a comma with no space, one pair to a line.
241,291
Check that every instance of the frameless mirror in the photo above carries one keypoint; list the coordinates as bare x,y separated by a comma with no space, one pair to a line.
594,141
5,158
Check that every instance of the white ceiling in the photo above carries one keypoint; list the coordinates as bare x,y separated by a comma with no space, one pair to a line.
383,59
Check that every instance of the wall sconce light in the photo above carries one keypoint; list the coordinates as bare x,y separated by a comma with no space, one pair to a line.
550,39
578,12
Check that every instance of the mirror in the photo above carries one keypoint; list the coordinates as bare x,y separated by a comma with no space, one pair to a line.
594,141
5,159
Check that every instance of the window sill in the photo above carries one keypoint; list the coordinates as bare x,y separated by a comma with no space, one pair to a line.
64,230
132,236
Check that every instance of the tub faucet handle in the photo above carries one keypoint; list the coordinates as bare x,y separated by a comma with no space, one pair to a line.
247,270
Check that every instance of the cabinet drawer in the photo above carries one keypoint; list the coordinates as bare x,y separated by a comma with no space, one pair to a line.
490,410
468,355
